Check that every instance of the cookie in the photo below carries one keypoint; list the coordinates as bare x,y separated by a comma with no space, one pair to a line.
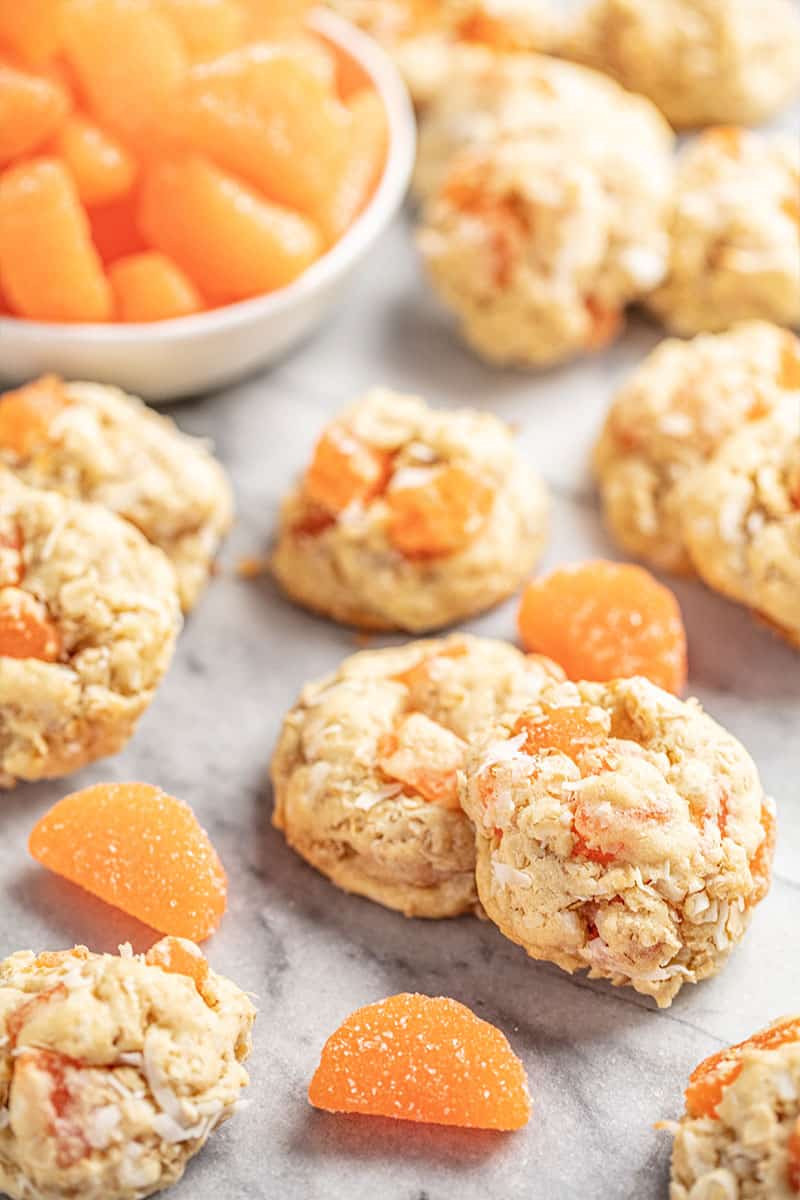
410,518
89,616
535,234
734,234
671,416
114,1071
364,773
740,1134
741,519
701,61
619,829
95,443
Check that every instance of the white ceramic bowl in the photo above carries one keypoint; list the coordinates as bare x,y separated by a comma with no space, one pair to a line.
165,360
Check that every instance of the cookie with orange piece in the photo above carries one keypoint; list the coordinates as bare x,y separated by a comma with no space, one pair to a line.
93,442
115,1069
410,518
89,617
620,830
425,1059
742,1119
365,770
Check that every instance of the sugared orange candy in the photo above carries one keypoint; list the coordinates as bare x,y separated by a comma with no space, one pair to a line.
439,516
32,29
709,1080
115,230
179,956
26,629
27,414
422,1058
139,849
369,142
99,164
31,110
49,268
604,620
151,287
232,243
345,470
275,18
207,28
569,730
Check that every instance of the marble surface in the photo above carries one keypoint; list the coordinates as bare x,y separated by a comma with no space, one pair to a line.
604,1065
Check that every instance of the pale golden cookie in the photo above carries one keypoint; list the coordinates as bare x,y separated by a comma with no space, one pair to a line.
89,616
113,1072
410,518
741,519
734,233
93,442
619,829
740,1134
701,61
365,769
670,417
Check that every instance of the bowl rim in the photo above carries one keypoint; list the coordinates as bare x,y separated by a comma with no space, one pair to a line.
387,197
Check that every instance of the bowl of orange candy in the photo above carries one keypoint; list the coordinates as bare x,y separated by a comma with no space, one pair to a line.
186,186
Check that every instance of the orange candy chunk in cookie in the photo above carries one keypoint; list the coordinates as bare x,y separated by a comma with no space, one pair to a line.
425,756
179,956
27,414
49,268
151,287
139,849
232,243
26,629
99,164
440,515
708,1081
422,1058
569,730
31,110
761,862
345,470
603,620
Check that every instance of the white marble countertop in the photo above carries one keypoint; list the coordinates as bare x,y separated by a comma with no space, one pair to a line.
603,1064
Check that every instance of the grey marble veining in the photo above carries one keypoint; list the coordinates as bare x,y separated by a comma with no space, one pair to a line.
604,1065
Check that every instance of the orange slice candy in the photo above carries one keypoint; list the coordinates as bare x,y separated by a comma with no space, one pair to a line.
345,470
31,110
709,1080
49,268
604,620
139,849
101,166
207,28
26,630
114,228
151,287
422,1058
369,143
440,516
32,28
27,414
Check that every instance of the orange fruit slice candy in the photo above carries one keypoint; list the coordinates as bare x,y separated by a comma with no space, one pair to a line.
151,287
604,620
27,414
49,269
26,629
425,756
369,143
101,166
207,28
31,110
708,1081
139,849
114,228
422,1058
32,28
275,18
345,470
440,516
229,240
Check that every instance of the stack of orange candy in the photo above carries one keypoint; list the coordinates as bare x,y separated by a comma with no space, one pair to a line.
161,157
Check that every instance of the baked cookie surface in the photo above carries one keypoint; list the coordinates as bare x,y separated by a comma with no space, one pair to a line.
410,518
741,519
93,442
535,234
364,773
703,62
740,1135
114,1071
672,415
734,233
619,829
89,616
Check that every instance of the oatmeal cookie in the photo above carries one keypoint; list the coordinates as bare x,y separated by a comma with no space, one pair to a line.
701,61
620,829
672,415
410,518
734,233
364,772
114,1071
741,519
95,443
89,616
740,1134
